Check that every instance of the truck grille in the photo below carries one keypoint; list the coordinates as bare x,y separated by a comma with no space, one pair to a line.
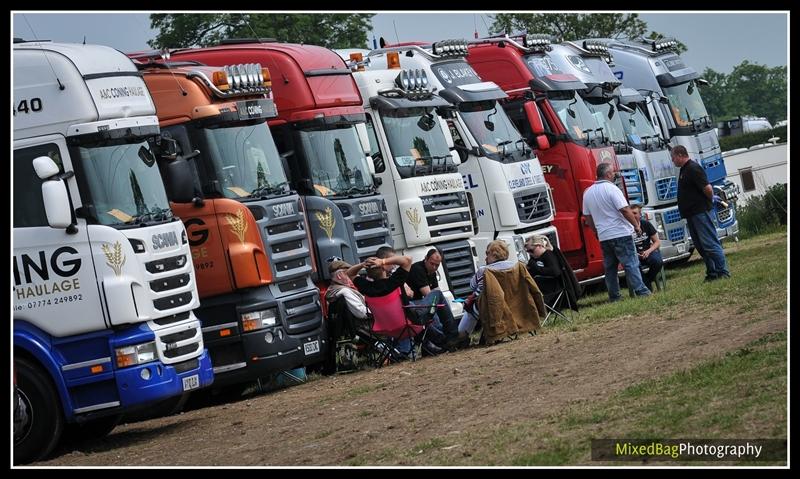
458,265
724,215
177,343
633,186
173,301
172,282
303,314
667,188
671,216
171,319
181,351
676,234
532,207
167,264
288,246
445,201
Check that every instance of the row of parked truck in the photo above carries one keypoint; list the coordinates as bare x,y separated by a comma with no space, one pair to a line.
175,211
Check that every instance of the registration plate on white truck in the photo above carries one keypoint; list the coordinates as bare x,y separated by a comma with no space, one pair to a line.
191,382
311,347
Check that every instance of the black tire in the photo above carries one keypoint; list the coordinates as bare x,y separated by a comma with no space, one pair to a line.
46,421
93,429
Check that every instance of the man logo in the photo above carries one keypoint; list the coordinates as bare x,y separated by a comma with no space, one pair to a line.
605,156
578,63
618,75
525,168
445,76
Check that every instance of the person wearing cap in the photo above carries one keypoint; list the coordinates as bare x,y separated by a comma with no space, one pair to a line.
647,247
543,266
607,213
695,198
342,274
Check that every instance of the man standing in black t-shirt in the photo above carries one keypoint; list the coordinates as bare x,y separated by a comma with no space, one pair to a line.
424,283
647,247
695,197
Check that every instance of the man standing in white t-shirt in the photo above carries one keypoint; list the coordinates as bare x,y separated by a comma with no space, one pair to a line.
608,214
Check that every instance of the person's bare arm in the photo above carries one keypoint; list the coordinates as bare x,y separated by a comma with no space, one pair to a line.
709,191
628,214
425,290
655,243
352,272
403,262
590,223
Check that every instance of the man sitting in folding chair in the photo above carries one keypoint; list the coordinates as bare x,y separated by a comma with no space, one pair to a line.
387,299
552,273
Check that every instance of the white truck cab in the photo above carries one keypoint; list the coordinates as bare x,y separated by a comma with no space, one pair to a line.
413,155
499,170
103,282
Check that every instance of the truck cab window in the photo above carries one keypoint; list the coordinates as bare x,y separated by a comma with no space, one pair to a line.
28,203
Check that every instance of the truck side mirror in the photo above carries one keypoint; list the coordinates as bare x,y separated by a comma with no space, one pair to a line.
534,119
361,130
542,143
448,137
54,193
179,180
371,165
456,157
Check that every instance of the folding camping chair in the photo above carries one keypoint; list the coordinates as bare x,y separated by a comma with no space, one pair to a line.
392,325
567,295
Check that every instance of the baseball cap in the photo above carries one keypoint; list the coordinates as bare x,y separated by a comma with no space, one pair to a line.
338,264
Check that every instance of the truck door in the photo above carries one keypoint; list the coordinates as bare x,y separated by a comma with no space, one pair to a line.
55,286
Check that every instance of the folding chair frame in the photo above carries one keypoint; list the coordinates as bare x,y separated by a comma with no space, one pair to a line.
560,298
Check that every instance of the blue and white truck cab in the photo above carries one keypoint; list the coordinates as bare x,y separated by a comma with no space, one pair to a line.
672,91
104,287
412,149
500,171
650,177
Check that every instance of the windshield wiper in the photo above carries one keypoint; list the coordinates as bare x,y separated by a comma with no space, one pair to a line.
155,214
354,189
278,189
434,163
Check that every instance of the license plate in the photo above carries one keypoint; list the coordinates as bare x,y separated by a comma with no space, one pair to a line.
191,382
681,248
311,347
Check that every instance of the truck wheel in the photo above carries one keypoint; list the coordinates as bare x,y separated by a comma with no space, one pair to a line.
93,429
42,431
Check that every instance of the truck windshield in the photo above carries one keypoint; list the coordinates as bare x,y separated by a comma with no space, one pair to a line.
638,128
335,158
417,142
124,183
613,130
685,103
491,127
244,160
575,115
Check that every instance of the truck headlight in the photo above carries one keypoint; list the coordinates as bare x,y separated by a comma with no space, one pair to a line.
259,319
136,354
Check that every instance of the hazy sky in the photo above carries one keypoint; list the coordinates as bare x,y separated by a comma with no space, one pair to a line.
716,40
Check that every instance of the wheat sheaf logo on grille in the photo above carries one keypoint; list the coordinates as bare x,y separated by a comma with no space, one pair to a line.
413,217
238,224
326,221
115,258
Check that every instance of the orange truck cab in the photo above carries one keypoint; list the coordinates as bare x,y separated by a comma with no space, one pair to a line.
248,233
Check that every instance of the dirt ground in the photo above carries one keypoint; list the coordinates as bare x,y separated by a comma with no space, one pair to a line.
332,420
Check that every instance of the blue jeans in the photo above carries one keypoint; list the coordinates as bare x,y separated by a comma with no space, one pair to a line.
443,321
655,262
622,250
704,236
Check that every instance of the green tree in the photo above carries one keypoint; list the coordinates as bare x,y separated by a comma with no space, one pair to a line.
574,26
750,89
332,30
